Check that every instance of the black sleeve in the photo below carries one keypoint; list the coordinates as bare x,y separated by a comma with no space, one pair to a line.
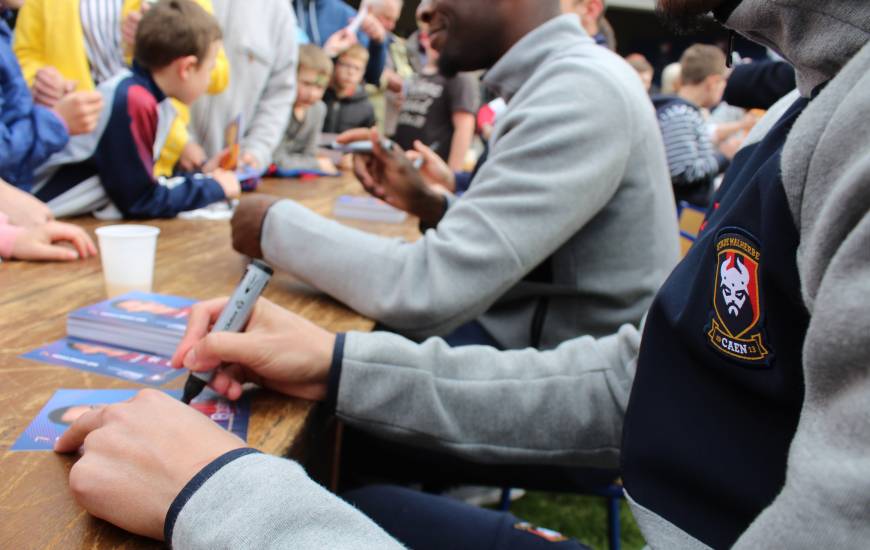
759,85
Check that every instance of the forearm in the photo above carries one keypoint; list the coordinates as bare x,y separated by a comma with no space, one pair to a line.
460,143
260,501
490,406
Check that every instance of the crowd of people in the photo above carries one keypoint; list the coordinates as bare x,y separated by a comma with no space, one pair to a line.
544,323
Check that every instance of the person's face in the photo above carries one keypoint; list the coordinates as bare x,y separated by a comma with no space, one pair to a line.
714,88
93,349
11,4
467,33
73,413
144,306
195,76
348,73
310,87
388,14
646,77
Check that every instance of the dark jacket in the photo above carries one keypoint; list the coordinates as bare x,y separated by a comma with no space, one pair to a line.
349,112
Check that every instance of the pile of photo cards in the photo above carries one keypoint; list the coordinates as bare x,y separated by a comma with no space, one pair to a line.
153,323
130,337
65,406
367,208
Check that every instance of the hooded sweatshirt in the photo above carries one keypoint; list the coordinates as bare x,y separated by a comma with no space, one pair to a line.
345,113
792,217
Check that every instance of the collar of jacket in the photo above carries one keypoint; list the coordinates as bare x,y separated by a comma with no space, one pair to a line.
817,38
512,70
143,76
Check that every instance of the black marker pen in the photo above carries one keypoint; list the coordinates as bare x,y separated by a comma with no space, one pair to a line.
233,318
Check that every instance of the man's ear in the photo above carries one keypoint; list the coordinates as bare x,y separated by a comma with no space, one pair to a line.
186,66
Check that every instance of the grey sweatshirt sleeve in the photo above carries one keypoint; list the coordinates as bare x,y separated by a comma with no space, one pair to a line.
565,406
826,169
515,215
265,129
261,501
298,151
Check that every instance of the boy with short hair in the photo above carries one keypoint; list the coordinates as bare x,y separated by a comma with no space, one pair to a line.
110,171
694,162
298,149
347,104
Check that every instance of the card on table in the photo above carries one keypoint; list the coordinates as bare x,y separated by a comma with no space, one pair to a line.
135,366
65,406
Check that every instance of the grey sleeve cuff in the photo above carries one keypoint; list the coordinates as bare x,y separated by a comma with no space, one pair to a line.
194,484
265,502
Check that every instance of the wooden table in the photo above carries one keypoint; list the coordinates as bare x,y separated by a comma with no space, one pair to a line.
194,259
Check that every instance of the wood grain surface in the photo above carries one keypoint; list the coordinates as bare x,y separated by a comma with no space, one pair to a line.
194,259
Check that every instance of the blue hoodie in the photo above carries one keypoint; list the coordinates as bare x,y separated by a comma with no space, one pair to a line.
320,19
29,133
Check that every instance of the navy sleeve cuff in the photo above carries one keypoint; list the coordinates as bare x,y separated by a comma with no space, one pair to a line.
194,484
334,374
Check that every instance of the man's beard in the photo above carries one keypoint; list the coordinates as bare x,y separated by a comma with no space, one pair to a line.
684,16
448,66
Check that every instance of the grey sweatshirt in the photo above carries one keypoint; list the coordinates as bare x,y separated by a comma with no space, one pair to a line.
298,148
568,404
576,174
260,42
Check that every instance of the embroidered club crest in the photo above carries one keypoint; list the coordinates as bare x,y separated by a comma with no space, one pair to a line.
734,329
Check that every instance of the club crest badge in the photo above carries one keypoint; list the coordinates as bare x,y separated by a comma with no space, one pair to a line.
735,324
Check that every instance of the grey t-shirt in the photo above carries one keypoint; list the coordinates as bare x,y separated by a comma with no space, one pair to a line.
427,113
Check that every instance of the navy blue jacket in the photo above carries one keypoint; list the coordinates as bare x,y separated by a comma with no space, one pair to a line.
719,384
120,152
29,133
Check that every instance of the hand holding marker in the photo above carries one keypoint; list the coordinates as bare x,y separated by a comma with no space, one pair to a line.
233,318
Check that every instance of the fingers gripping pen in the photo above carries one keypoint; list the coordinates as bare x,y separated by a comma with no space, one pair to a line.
233,318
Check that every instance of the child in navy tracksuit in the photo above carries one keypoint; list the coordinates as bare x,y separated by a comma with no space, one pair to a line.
30,134
110,171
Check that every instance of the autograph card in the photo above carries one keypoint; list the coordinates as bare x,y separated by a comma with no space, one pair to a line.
65,406
135,366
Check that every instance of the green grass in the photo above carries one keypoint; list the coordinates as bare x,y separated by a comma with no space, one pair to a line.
580,517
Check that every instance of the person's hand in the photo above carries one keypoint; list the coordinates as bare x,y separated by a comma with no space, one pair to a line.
38,243
374,29
278,350
248,159
395,83
247,223
434,170
390,176
340,41
228,182
80,111
23,209
730,146
214,163
326,165
49,86
138,455
192,157
131,25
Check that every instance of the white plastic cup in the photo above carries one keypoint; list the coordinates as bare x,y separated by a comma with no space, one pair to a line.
127,253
